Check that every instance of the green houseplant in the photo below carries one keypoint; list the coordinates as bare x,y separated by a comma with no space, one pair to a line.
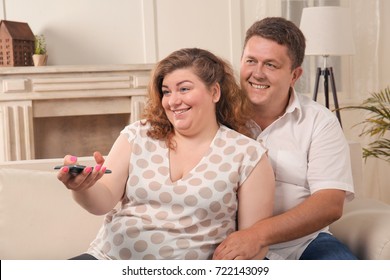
40,53
376,124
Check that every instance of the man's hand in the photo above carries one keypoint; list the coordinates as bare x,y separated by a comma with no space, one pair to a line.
240,245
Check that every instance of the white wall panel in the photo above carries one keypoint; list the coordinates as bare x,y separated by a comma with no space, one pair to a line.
149,31
385,44
2,10
85,31
188,23
254,10
136,31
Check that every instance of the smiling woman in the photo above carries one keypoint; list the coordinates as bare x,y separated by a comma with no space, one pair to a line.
184,176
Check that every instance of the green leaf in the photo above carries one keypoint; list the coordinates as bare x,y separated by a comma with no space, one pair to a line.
376,124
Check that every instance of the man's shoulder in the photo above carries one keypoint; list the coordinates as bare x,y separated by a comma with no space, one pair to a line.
311,107
307,101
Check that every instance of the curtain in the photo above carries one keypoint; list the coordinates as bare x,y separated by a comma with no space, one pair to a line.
367,68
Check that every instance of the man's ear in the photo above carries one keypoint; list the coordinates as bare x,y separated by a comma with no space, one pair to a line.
297,73
216,91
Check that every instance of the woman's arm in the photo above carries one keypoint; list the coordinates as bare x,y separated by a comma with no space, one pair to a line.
255,202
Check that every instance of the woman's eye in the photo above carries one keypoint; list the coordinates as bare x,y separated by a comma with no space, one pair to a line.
165,92
184,89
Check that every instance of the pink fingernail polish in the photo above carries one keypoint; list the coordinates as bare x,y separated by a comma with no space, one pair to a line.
97,167
73,158
104,169
65,169
88,169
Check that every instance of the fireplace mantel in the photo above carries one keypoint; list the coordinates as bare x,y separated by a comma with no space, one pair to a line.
50,111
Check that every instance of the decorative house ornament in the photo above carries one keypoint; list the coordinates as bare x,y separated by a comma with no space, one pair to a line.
16,44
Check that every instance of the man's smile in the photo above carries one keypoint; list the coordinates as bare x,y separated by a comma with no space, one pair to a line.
257,86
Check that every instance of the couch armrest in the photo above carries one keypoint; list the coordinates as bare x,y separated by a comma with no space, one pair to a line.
38,217
365,228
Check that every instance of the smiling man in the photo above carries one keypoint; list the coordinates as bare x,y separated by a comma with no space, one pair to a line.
307,148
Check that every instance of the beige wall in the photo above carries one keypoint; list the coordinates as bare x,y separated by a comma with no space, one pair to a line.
84,32
129,31
144,31
385,45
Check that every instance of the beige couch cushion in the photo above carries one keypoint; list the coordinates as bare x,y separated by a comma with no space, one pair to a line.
365,228
39,219
365,224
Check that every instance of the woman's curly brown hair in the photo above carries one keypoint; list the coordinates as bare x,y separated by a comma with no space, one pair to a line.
232,110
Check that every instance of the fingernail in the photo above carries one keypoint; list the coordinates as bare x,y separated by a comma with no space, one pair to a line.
104,169
65,169
88,169
97,167
73,158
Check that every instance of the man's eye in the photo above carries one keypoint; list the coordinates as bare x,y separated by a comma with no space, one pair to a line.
250,61
270,65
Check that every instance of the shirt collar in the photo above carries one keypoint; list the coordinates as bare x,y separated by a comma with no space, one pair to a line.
294,104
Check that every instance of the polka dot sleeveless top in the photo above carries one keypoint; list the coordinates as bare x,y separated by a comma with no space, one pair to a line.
186,219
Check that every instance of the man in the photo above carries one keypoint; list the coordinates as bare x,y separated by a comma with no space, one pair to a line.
307,148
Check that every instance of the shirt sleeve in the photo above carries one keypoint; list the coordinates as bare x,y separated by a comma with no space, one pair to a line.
251,158
132,130
329,163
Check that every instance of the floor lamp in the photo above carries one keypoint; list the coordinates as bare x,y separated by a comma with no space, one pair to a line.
328,31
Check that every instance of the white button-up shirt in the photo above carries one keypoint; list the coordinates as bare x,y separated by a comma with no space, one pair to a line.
308,152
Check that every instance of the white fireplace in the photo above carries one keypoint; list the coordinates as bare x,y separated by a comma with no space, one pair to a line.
50,111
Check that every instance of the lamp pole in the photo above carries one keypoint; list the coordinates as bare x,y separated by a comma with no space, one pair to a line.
327,72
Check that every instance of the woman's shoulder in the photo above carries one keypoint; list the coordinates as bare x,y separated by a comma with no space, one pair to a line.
229,133
139,127
230,137
237,146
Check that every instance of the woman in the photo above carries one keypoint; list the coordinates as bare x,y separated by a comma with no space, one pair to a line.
183,175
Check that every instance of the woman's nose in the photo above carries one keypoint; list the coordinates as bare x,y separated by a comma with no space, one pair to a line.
174,99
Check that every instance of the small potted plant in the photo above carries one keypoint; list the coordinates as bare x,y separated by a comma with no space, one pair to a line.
40,54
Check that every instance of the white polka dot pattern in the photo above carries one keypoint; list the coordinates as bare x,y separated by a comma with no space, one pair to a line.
186,219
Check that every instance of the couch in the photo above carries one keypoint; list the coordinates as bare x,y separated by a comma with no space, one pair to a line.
365,224
40,220
38,216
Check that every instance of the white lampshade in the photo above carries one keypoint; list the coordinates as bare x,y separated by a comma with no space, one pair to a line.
328,31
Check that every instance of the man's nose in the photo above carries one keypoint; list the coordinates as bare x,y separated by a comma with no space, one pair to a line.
258,72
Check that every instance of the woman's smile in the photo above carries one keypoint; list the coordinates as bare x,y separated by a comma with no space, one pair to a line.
180,111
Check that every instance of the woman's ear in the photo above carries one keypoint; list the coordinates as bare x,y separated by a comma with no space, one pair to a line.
216,91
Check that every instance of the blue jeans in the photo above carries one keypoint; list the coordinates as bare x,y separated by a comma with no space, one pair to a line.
326,247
